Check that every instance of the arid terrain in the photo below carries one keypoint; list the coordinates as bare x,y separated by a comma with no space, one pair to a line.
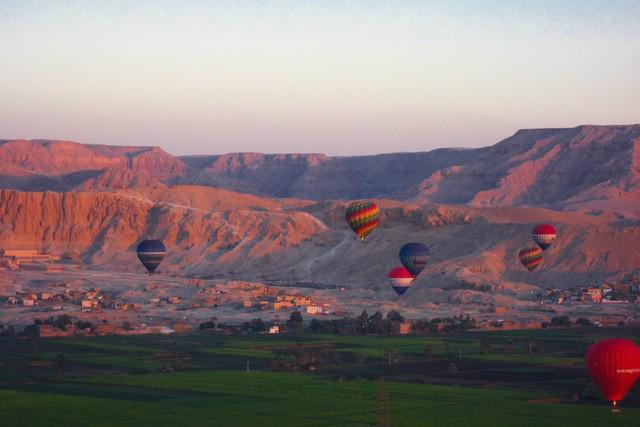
252,219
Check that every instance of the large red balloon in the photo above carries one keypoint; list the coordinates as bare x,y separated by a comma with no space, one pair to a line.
614,365
544,235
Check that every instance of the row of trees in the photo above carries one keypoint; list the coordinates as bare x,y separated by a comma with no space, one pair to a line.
565,321
364,324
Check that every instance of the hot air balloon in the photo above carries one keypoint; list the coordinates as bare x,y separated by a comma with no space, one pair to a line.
151,253
531,258
614,365
414,256
363,218
544,235
400,279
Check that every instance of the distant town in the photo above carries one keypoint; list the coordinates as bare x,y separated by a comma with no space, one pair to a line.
60,309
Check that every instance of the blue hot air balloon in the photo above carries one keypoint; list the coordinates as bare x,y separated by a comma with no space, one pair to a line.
414,257
151,253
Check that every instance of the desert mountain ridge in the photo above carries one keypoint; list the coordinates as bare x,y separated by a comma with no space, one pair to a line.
574,168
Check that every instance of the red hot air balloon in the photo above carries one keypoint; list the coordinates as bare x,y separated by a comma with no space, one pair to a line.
544,235
614,365
400,279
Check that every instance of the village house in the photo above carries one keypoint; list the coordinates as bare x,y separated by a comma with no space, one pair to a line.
501,310
275,329
314,309
182,327
105,329
301,301
264,305
88,304
279,305
593,295
405,327
92,294
211,300
51,331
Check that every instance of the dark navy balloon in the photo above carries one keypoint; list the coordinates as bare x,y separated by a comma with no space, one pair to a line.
414,257
151,253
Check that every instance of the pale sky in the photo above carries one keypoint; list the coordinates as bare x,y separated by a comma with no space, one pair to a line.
339,77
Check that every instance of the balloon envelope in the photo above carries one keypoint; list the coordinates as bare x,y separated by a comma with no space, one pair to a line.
531,258
544,235
414,257
614,365
363,218
400,279
151,253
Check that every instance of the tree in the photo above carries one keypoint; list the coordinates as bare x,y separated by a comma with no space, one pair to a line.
209,324
584,322
255,325
376,323
316,326
294,323
434,324
421,326
7,331
395,316
394,320
84,325
467,322
62,321
30,331
561,321
362,323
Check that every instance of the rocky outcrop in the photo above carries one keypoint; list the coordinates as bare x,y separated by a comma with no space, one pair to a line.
105,227
55,158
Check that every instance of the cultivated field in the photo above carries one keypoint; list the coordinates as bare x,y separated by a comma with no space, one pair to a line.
523,378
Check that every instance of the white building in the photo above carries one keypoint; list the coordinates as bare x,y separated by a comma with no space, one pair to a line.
275,329
314,309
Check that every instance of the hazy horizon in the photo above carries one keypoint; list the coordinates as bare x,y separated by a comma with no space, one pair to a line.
216,153
341,78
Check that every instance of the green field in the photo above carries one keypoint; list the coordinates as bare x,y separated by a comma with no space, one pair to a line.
505,378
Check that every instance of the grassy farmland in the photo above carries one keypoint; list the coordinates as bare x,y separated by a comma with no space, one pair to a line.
524,378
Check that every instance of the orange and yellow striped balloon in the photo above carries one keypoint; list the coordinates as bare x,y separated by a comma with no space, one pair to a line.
363,218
